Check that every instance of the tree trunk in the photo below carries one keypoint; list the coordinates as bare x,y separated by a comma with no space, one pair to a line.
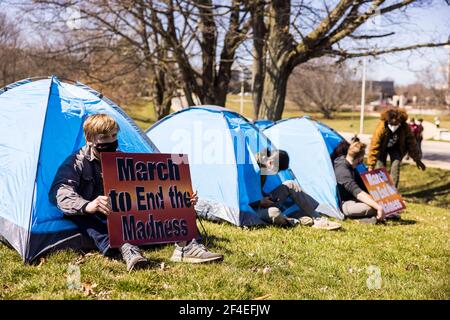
223,80
259,32
326,112
275,85
208,45
227,56
277,65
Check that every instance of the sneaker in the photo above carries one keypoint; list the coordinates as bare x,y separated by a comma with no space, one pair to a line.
303,221
306,221
292,222
324,223
133,257
194,253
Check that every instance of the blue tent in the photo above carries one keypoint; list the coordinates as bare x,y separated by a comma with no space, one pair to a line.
309,144
41,125
262,124
330,136
220,145
332,140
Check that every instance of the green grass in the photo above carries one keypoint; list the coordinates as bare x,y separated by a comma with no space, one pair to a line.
303,263
445,120
431,187
143,113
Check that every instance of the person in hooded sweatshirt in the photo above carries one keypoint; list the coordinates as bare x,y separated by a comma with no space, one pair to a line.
393,138
356,202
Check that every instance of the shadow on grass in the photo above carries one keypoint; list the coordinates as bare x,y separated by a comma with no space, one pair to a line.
402,222
430,193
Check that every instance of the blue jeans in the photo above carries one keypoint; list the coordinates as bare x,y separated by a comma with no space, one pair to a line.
95,227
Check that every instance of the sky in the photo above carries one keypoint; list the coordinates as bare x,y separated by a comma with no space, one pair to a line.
430,23
424,24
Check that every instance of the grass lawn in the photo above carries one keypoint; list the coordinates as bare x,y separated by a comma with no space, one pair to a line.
143,113
342,121
273,263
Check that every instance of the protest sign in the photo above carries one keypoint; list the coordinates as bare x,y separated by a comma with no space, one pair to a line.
150,198
380,186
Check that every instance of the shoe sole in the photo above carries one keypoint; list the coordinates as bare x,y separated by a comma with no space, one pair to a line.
195,260
139,265
328,229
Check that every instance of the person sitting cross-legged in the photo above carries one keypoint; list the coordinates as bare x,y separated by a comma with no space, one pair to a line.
77,190
356,203
268,208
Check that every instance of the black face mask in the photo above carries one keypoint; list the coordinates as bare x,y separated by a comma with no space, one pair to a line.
107,146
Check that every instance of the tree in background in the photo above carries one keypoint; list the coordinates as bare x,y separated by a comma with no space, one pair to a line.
322,87
19,59
191,45
11,53
431,88
290,33
437,83
187,45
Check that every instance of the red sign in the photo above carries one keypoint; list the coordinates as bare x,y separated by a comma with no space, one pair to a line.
150,198
382,189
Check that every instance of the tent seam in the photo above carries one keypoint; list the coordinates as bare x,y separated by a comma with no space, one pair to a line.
36,174
238,193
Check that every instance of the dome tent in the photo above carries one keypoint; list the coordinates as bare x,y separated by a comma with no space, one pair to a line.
262,124
41,125
330,136
310,145
220,145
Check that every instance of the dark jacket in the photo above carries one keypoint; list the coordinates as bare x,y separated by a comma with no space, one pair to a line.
348,180
77,182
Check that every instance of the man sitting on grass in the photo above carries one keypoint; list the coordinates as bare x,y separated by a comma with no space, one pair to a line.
77,190
268,208
356,203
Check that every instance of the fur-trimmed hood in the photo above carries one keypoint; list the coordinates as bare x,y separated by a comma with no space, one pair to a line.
401,114
407,142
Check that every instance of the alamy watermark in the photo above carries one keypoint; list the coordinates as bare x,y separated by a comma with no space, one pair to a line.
73,277
374,279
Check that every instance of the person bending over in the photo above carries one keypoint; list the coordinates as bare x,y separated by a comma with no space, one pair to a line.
393,138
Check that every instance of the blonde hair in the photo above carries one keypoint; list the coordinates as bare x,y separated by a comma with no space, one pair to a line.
99,124
356,150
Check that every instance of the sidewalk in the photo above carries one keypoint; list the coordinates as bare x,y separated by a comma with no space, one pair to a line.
436,154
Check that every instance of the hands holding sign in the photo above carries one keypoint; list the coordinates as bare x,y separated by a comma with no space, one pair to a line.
149,199
100,204
194,198
381,216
